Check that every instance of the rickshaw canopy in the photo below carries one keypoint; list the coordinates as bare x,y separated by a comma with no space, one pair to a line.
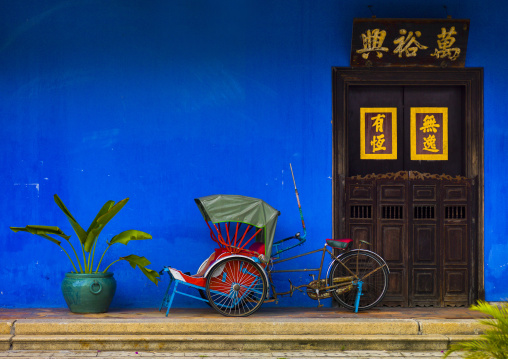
222,208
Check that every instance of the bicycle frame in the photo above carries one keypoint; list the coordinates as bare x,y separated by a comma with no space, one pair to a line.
344,284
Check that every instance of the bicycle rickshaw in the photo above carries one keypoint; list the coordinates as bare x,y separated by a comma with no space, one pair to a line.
237,277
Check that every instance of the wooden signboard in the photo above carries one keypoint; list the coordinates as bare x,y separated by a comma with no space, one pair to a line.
408,42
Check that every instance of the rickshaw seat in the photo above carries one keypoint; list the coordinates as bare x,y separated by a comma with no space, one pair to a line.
192,279
340,243
258,247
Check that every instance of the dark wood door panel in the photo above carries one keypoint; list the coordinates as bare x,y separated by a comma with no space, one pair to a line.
361,192
372,97
456,248
454,193
425,251
424,193
397,294
361,232
425,287
450,97
395,192
392,244
456,287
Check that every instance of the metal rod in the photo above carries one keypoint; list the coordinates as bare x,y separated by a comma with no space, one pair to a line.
295,270
298,256
298,200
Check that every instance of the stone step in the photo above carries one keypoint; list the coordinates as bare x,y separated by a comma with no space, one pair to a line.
250,333
234,342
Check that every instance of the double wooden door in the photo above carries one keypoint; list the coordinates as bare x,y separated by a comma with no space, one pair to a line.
421,225
428,227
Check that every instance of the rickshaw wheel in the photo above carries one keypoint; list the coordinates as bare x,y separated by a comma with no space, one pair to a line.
362,263
236,287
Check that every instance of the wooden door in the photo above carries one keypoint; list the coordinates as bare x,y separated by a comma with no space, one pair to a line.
420,224
429,228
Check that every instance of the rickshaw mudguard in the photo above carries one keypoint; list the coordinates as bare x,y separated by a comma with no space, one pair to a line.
252,259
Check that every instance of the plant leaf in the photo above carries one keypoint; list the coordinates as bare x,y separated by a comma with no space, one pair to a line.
102,221
493,343
151,274
141,263
75,225
136,260
105,208
130,235
43,231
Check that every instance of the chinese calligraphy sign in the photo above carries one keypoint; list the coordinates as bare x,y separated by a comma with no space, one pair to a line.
402,42
378,133
429,133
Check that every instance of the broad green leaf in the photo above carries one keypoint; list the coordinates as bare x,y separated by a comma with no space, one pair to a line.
141,263
56,241
151,274
75,225
42,233
42,230
103,220
105,208
130,235
136,260
92,236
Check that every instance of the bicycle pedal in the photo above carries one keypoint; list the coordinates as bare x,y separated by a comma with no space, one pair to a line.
320,305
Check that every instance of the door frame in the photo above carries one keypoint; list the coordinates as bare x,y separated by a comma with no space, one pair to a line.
471,81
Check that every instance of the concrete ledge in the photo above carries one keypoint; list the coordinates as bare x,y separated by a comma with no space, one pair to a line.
230,342
5,327
5,342
218,327
462,338
451,327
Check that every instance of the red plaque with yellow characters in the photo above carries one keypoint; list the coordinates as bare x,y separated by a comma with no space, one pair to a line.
429,133
378,133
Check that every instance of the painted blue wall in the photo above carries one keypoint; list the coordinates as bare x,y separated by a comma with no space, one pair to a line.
165,101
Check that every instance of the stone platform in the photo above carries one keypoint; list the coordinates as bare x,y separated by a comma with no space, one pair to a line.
269,329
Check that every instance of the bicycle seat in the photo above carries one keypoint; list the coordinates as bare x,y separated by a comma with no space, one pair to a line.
340,243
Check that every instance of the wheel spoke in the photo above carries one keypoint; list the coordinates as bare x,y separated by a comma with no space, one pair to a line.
373,272
239,289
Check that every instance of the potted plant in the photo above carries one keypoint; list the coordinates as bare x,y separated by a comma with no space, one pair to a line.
88,289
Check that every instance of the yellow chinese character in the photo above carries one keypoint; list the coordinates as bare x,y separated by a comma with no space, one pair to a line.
445,45
377,143
373,41
429,143
404,44
429,124
378,122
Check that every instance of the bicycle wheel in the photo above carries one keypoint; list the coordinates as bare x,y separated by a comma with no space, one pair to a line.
236,287
370,269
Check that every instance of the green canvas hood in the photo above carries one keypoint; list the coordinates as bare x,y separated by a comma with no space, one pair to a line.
234,208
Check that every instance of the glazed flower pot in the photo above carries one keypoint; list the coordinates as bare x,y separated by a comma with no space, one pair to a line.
88,293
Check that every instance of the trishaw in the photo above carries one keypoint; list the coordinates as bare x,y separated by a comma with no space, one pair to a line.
236,278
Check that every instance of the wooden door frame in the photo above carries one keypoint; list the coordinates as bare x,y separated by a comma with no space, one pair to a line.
471,81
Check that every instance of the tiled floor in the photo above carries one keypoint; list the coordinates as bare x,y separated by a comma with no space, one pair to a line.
187,313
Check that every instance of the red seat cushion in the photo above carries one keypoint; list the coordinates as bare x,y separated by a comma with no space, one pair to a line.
258,247
340,243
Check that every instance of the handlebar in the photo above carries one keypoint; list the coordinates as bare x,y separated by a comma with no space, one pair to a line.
301,240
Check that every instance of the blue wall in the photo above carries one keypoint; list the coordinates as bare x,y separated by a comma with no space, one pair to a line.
165,101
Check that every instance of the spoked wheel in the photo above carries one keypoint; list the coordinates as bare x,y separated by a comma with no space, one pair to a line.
370,269
236,287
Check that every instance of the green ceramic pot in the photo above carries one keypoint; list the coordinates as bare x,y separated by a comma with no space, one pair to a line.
88,293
